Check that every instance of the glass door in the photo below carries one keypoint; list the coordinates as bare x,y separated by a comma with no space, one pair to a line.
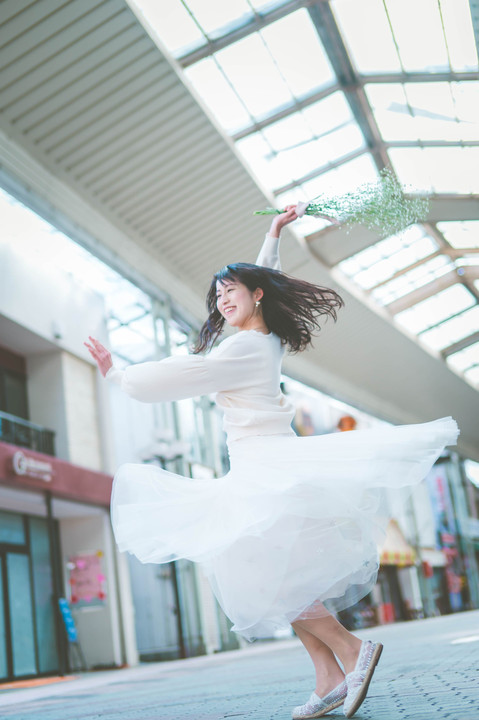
27,623
19,608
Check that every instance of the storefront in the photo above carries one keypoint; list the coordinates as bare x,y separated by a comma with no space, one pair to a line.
53,521
399,597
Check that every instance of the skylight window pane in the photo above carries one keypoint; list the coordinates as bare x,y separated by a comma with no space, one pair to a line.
460,234
130,345
254,75
435,309
258,154
426,111
467,260
464,359
328,114
459,34
418,32
173,23
465,102
366,30
440,170
382,260
286,133
343,141
303,159
213,16
413,279
452,330
218,95
304,66
345,178
308,157
438,116
391,111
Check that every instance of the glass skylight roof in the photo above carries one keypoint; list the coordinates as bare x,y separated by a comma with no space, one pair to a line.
465,359
426,111
381,261
450,331
462,234
426,272
441,170
302,144
436,309
395,35
261,71
128,307
305,129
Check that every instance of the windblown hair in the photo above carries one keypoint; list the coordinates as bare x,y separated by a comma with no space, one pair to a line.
291,307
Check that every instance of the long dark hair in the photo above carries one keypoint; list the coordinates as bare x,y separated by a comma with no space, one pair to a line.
291,307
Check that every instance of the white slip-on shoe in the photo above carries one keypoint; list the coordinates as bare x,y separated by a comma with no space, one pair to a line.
316,707
358,680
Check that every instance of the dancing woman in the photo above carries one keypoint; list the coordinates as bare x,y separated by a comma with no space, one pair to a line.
290,534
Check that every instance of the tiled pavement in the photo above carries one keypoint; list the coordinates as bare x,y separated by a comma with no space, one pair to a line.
429,670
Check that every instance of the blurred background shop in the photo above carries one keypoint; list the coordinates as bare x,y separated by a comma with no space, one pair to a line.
136,140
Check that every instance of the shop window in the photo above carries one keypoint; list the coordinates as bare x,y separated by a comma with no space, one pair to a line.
13,393
12,529
42,593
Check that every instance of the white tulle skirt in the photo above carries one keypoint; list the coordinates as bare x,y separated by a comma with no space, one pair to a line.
292,530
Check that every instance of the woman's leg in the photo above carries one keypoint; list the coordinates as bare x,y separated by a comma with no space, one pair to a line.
328,673
331,633
359,659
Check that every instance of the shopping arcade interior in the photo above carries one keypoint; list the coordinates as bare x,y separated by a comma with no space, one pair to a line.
66,135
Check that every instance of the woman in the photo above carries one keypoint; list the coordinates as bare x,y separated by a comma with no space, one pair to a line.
290,534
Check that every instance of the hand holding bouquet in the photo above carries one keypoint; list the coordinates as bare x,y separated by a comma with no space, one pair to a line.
380,206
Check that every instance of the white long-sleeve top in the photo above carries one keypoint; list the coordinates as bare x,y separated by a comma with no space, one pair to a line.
244,372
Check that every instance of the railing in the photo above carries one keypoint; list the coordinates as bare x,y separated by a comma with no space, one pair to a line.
21,432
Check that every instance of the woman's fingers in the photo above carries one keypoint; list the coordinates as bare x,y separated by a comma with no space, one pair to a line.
100,354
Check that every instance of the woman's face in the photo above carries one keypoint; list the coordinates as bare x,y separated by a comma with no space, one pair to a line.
236,303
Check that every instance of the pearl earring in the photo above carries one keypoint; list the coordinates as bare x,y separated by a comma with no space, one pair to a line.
257,303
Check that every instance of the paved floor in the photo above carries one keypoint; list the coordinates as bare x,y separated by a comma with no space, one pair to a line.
429,670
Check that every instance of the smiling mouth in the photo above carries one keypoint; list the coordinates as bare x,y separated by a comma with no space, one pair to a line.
229,310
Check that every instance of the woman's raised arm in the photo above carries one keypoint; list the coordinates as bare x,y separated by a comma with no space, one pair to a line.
269,253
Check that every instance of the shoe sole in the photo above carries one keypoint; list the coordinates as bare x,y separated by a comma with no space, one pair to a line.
321,712
367,679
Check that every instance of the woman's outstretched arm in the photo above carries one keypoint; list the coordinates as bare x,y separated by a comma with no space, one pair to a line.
232,366
269,253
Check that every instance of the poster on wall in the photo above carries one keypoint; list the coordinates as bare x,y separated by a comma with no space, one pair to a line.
86,580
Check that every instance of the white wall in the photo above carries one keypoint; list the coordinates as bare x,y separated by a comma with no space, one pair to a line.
44,299
79,383
62,397
61,382
46,397
98,627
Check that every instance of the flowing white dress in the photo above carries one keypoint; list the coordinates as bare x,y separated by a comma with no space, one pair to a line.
293,529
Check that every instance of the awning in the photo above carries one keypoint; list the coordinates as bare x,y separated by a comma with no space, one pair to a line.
396,550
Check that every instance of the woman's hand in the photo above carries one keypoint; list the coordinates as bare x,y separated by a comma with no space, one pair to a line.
279,221
100,354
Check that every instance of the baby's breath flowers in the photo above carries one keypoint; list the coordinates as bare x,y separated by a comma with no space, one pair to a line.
380,206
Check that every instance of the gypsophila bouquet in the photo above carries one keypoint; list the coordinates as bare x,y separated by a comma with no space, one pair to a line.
380,206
